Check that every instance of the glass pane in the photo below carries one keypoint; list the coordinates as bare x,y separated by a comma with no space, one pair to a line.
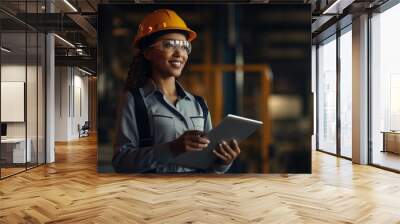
327,96
385,86
31,87
345,94
41,98
31,97
14,153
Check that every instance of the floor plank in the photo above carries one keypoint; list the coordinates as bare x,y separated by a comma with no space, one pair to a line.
71,191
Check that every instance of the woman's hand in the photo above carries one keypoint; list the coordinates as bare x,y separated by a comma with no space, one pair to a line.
227,153
192,140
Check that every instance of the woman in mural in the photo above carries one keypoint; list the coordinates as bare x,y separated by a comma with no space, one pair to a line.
160,119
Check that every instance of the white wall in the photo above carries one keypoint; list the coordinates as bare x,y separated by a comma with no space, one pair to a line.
61,103
16,73
71,93
33,126
80,110
13,73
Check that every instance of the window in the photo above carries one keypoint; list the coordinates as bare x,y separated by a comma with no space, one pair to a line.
345,92
327,96
385,88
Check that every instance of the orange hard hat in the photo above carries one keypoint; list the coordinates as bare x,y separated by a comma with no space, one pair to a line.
160,20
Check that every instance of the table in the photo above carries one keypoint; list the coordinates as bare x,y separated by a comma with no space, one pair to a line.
13,150
391,141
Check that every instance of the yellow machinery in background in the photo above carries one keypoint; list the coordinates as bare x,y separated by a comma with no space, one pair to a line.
209,84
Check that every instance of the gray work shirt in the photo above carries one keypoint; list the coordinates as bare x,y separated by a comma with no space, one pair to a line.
167,123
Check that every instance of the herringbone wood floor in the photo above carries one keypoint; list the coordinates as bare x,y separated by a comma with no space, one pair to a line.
71,191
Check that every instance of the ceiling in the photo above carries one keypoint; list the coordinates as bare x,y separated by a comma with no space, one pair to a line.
76,22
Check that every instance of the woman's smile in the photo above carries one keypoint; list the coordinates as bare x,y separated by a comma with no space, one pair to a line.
176,63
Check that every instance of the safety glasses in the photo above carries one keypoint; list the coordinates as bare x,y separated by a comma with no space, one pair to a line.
172,45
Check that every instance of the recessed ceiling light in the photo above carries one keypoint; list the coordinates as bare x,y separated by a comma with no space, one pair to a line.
5,50
65,41
337,7
84,71
70,5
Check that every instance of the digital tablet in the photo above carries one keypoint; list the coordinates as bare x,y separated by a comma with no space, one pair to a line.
231,127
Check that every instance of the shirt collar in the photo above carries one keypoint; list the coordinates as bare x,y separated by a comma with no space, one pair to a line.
150,87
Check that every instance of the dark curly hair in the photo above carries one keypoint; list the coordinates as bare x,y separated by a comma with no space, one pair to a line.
140,68
139,71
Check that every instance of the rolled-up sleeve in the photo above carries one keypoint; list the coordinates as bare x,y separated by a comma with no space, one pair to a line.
128,156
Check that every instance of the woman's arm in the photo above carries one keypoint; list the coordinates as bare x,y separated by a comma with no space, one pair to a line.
128,156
